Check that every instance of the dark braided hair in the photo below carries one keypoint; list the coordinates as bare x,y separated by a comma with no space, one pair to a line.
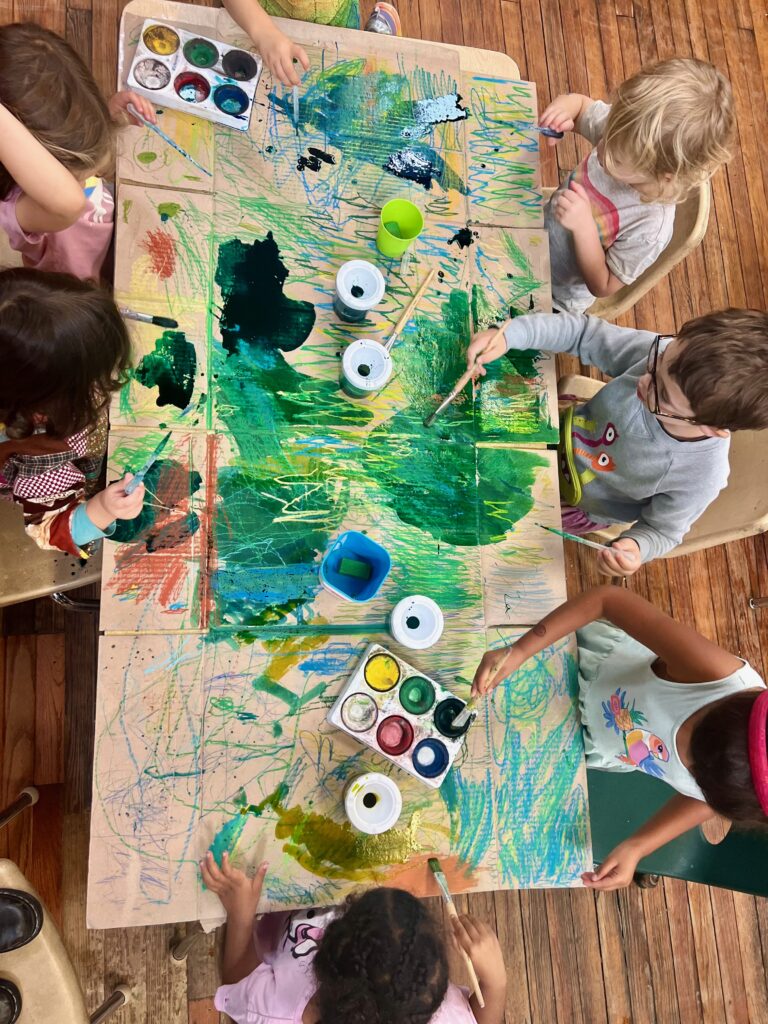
383,961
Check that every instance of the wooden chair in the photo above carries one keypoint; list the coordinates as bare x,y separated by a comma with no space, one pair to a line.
27,571
42,970
691,218
741,510
619,803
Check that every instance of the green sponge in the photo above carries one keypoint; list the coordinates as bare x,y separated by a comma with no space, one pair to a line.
353,567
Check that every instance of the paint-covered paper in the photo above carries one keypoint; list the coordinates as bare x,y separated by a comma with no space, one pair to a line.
221,652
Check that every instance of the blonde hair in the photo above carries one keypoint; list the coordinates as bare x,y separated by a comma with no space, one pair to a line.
674,123
46,85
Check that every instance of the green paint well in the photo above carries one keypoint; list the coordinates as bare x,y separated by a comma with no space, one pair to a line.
171,368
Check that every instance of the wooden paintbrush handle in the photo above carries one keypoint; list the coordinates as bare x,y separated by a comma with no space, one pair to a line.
408,311
473,979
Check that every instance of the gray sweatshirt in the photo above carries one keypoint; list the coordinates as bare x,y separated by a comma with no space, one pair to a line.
645,477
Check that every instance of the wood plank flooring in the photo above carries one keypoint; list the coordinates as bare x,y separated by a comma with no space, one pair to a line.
679,953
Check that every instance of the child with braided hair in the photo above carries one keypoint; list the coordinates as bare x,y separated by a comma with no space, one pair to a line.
380,958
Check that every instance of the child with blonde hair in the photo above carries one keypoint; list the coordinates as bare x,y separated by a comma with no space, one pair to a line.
57,138
667,131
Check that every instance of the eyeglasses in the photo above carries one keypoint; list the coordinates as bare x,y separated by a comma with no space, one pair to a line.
652,367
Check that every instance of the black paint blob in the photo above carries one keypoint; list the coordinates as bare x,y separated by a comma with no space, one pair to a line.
412,622
315,160
463,238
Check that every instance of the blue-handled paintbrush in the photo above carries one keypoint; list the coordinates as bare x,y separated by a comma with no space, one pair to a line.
529,126
131,486
166,138
442,881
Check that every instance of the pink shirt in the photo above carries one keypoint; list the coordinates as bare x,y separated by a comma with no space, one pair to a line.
79,249
280,988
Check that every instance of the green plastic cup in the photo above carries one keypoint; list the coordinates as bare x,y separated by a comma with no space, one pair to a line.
401,221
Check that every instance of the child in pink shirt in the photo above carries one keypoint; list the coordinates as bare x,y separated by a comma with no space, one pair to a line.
381,957
54,207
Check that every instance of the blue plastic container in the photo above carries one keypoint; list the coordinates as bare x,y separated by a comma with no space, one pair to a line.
355,545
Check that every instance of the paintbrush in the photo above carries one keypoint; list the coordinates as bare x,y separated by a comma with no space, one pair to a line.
573,537
528,126
442,882
166,138
296,106
461,383
148,318
465,714
408,311
131,486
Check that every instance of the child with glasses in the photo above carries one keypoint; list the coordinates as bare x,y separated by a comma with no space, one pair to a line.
651,447
668,129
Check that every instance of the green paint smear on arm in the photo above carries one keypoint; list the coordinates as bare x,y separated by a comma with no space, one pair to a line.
171,368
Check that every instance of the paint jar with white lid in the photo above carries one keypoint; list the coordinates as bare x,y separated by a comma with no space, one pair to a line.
373,803
360,287
366,366
416,622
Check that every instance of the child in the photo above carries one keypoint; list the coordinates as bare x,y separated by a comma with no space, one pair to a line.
63,349
380,958
56,137
656,696
278,52
669,129
651,448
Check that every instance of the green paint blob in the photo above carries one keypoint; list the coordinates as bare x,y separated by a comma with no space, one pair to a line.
330,849
127,204
159,528
255,309
168,210
146,158
171,368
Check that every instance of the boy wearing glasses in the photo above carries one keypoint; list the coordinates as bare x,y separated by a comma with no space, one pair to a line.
651,448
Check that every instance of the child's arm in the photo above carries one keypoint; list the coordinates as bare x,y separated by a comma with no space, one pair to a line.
53,199
240,897
563,113
677,816
688,656
277,50
573,211
610,348
482,945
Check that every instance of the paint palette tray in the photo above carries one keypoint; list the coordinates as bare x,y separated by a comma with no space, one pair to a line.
193,73
402,714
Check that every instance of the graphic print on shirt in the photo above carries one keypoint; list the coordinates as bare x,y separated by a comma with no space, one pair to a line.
642,749
100,199
591,449
605,214
303,934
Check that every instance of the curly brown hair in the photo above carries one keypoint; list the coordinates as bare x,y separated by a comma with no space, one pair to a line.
383,961
720,753
63,349
722,368
45,84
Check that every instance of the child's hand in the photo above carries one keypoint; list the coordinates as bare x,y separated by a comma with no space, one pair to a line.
119,105
494,668
561,114
481,944
573,209
279,53
616,871
113,503
621,559
484,348
239,894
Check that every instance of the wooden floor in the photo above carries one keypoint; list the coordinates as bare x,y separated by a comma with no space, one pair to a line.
677,953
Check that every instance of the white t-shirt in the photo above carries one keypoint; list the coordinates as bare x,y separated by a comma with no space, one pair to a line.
631,717
632,232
